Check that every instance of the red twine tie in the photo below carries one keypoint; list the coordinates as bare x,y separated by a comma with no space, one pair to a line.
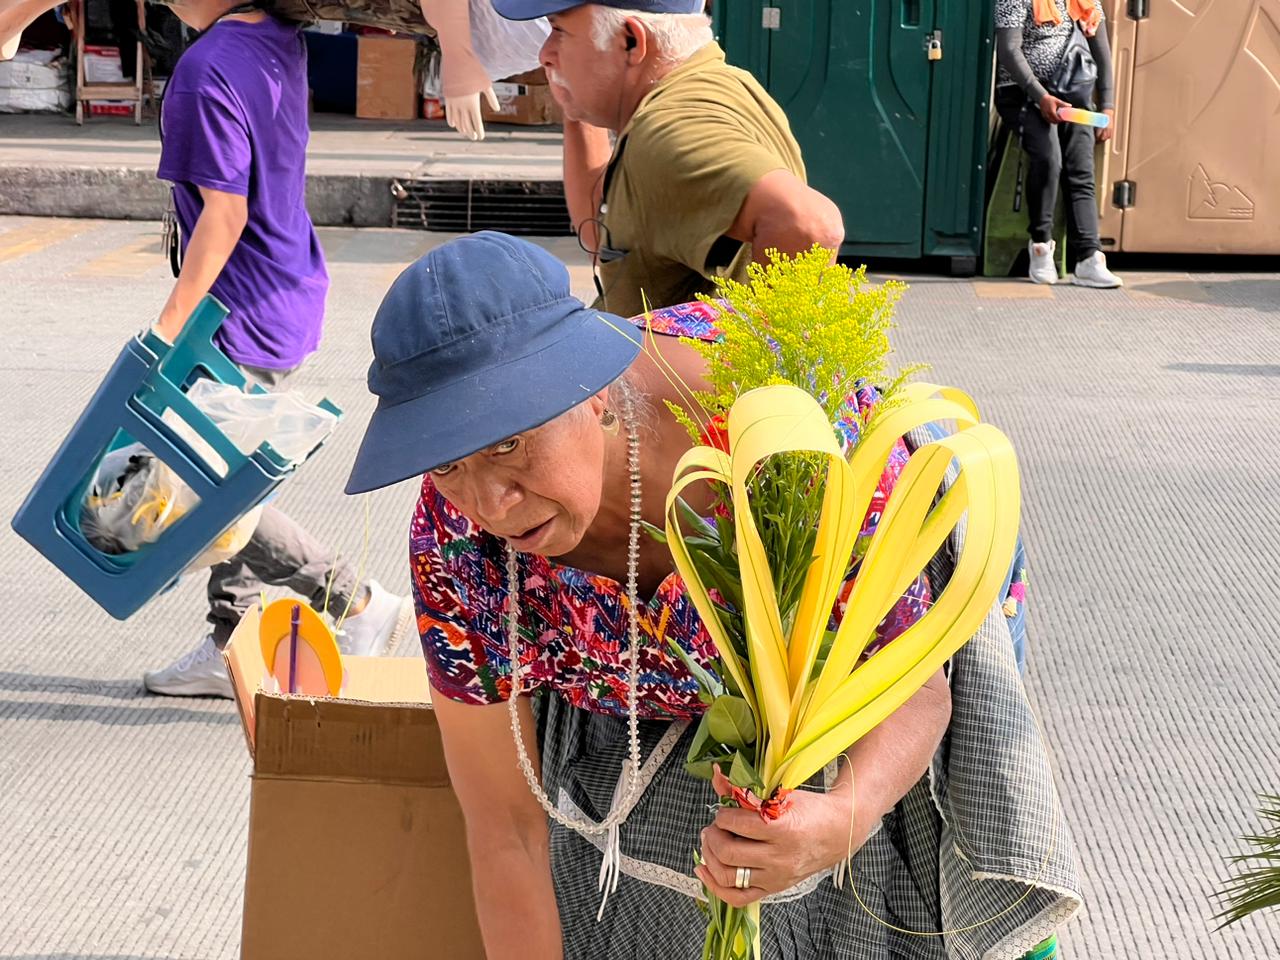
769,810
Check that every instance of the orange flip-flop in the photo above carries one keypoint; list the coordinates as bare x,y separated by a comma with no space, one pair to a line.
313,665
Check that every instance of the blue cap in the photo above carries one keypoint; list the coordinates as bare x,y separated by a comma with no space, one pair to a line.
475,342
532,9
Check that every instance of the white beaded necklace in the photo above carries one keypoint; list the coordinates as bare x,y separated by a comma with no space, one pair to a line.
622,805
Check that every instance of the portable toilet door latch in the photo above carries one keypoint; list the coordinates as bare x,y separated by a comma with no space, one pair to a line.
771,18
933,45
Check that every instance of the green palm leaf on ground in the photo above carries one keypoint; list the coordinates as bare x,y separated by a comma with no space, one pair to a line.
1256,885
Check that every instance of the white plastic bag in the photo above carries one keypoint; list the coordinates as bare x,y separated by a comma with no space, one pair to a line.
125,510
135,497
505,47
34,81
292,426
432,89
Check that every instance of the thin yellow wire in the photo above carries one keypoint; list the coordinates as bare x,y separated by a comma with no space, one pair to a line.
364,560
333,574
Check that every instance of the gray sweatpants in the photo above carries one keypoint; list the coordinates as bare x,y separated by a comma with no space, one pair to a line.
280,553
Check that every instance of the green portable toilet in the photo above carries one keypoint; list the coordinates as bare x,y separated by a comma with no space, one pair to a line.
894,135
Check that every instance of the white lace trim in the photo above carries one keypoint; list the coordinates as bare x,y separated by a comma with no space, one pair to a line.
1035,931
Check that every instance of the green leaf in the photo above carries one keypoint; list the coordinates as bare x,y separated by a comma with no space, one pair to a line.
718,578
703,743
732,722
1256,886
703,769
655,533
705,545
743,774
824,650
696,521
706,682
726,532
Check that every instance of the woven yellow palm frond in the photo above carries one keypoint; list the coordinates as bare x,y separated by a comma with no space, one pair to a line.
806,720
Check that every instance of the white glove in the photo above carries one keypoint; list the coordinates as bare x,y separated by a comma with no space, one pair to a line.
463,113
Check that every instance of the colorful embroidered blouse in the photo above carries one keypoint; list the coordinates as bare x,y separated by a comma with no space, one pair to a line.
573,628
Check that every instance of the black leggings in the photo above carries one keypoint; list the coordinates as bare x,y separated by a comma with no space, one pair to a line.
1055,154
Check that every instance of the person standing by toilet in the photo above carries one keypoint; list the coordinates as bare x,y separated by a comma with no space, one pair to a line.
1045,49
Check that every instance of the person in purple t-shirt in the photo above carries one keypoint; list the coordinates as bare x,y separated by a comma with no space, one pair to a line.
234,140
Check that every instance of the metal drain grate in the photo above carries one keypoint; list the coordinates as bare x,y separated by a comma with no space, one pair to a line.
521,207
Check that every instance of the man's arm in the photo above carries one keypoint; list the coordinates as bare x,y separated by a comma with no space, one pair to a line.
216,234
782,213
507,834
586,155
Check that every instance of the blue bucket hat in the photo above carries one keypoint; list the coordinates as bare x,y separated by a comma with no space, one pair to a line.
475,342
532,9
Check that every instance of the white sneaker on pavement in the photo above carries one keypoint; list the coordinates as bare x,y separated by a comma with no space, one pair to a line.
201,673
1043,269
1092,272
379,629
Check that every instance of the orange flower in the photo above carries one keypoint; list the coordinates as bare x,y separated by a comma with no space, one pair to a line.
717,433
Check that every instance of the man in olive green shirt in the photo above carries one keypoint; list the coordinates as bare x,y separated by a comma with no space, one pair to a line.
704,176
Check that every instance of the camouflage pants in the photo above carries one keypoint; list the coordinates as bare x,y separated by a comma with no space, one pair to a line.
402,16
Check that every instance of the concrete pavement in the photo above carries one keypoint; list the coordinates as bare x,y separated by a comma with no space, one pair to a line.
107,168
1144,420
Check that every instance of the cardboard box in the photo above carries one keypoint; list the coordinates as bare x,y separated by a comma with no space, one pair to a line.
386,78
357,846
102,65
523,104
536,77
525,99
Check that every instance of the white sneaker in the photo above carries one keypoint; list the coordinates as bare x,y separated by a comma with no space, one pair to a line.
1092,272
201,673
1043,269
378,629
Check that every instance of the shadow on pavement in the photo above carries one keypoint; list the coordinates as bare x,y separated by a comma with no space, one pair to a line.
1229,369
44,683
110,715
148,709
1241,293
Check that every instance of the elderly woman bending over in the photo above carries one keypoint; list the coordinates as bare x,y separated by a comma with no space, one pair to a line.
543,433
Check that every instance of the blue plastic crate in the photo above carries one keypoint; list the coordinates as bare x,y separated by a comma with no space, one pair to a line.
148,379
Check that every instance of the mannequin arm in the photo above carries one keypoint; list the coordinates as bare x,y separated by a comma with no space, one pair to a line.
461,72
